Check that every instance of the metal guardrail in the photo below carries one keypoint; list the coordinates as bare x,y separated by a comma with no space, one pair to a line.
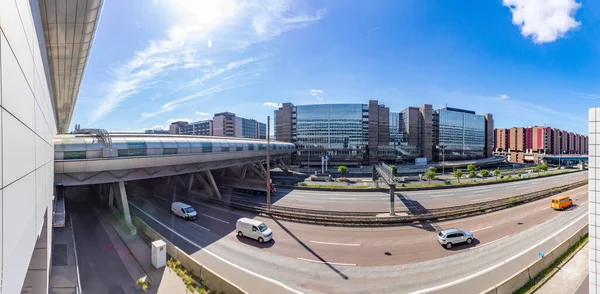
344,218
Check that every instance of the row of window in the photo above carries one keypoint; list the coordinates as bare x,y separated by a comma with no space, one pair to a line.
207,147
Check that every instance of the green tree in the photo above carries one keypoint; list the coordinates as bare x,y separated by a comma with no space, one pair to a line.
544,167
472,174
457,174
471,167
496,173
430,175
394,169
342,169
484,173
432,169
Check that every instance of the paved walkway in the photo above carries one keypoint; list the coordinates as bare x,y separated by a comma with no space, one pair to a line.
570,277
163,280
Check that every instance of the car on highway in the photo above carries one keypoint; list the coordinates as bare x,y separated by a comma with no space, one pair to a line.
561,202
254,229
185,211
450,237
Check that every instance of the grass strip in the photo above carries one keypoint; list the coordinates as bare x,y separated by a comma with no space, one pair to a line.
541,278
192,283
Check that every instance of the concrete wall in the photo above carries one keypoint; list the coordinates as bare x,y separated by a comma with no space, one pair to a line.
519,279
27,131
211,279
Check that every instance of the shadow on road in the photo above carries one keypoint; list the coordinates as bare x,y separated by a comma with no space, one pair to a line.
310,250
463,246
415,208
255,243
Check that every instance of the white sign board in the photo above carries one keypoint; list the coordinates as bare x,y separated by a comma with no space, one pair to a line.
421,161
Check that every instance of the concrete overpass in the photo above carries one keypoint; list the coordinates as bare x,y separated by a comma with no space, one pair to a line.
84,159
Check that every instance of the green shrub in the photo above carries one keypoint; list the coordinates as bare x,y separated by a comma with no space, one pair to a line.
447,182
303,184
501,177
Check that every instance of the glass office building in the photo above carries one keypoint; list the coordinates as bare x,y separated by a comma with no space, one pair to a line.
348,134
462,133
332,126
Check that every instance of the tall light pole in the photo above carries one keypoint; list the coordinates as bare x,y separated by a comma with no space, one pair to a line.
443,160
268,163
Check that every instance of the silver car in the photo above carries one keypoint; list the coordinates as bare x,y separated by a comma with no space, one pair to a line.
449,237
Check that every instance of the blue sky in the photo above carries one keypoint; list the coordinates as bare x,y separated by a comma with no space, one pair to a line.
528,62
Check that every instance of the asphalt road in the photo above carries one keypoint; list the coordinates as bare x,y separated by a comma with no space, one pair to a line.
379,201
315,259
100,267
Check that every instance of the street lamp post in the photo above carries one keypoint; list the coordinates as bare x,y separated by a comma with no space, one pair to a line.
268,163
443,159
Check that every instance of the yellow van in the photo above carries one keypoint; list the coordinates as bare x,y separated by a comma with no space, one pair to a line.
561,202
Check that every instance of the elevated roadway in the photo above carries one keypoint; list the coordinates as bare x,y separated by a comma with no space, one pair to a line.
313,259
100,157
379,201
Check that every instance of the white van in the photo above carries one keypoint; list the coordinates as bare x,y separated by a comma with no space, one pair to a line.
183,210
251,228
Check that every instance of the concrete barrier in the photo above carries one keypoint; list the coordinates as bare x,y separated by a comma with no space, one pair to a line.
209,278
519,279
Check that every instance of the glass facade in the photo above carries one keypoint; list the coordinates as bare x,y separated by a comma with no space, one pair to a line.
394,128
201,128
249,128
332,126
461,132
262,130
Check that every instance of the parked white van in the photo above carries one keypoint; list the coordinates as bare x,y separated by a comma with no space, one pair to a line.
251,228
183,210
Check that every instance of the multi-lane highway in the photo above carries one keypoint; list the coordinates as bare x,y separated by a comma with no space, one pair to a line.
379,201
315,259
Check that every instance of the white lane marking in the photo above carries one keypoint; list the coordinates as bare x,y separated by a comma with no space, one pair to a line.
197,225
445,195
306,206
488,243
217,219
341,198
480,199
473,231
489,269
278,283
318,261
330,243
545,208
486,190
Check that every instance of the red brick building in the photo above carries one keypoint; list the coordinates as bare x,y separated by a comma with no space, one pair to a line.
528,144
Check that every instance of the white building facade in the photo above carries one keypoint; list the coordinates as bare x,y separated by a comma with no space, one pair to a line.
43,51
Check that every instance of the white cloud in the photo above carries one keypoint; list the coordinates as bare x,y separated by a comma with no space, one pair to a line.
272,104
202,113
233,25
230,66
543,20
504,96
317,94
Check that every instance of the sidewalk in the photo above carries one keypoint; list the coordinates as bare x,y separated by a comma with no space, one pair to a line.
163,280
571,276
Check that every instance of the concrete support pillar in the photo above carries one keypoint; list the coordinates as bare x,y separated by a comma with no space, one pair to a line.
213,183
190,182
174,192
204,183
168,180
244,171
111,197
392,199
223,172
125,208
